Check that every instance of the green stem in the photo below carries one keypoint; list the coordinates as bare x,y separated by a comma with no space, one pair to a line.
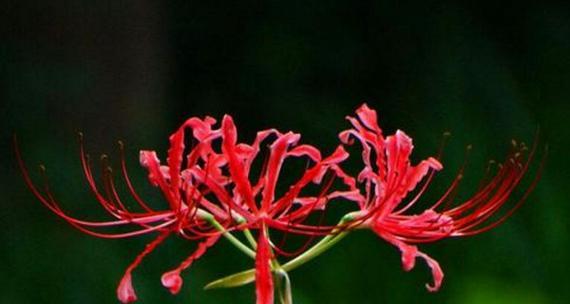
248,276
250,238
230,237
283,287
323,245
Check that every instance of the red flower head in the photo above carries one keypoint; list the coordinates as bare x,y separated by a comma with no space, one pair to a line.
256,202
388,177
189,214
209,193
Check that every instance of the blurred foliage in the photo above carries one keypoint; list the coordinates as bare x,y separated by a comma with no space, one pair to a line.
135,70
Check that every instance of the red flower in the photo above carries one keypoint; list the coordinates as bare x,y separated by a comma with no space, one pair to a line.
388,177
184,193
209,193
257,202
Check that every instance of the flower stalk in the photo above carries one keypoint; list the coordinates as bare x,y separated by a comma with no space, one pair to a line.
248,276
230,237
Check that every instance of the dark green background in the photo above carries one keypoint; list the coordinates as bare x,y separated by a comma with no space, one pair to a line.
135,70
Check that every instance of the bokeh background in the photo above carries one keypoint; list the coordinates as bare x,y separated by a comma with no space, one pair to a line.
134,70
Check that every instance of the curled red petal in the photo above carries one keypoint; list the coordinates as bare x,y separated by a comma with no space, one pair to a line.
174,160
125,291
436,272
201,129
149,160
276,158
368,117
235,165
172,281
398,149
306,150
409,253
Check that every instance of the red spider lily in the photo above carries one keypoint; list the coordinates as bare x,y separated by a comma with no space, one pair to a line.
211,183
245,205
388,177
183,217
257,203
252,206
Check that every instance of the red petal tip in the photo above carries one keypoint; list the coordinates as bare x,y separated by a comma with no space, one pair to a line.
125,291
409,254
172,281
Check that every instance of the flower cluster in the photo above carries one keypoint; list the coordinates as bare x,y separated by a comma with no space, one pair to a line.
221,187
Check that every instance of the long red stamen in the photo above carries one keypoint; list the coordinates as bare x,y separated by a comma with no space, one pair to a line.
128,180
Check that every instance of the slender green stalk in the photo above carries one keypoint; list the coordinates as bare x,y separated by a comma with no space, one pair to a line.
283,287
248,276
323,245
230,237
250,238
